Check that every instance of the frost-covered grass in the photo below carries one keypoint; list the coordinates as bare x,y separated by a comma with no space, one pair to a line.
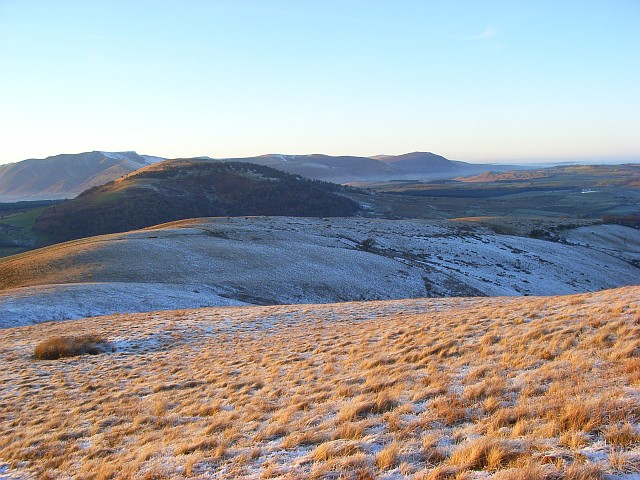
26,305
279,260
504,388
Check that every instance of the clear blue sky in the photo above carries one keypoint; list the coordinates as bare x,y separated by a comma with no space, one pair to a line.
470,80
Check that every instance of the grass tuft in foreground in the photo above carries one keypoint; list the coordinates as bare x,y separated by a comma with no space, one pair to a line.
70,346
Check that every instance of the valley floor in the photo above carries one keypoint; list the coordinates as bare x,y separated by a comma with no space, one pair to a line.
465,388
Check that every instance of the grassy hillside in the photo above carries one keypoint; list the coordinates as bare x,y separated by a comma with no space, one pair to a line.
179,189
283,260
526,388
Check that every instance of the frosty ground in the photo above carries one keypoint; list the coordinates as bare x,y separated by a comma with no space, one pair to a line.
467,388
280,260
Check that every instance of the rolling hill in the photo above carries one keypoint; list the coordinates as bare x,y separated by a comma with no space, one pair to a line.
65,176
178,189
349,169
285,260
432,166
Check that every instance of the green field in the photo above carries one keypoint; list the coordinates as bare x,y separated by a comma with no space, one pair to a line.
17,234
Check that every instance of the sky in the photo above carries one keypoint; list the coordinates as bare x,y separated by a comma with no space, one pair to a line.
473,80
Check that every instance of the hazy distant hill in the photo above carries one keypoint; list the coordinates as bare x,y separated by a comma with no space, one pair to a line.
346,169
588,176
65,176
188,188
341,169
432,165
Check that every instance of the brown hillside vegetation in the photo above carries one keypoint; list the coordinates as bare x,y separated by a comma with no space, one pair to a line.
504,388
188,188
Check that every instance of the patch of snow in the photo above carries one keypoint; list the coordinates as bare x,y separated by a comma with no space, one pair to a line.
119,155
132,159
616,240
7,473
596,452
152,159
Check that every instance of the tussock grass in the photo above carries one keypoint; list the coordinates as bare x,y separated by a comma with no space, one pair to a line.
504,388
622,435
335,449
387,457
70,346
485,453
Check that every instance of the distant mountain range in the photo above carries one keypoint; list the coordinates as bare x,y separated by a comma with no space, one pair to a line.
66,176
348,169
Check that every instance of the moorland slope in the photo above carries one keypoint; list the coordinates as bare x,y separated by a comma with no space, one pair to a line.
278,260
473,388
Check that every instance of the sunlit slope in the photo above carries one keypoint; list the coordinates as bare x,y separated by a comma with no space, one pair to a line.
502,388
65,176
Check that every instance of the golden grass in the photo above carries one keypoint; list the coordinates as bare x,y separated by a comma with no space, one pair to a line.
485,453
387,457
521,388
69,346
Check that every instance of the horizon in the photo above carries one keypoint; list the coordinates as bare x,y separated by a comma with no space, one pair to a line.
525,83
515,162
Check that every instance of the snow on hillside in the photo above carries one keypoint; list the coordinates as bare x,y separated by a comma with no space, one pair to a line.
152,159
279,260
132,160
119,155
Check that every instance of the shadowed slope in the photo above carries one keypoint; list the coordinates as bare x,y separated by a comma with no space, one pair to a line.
178,189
